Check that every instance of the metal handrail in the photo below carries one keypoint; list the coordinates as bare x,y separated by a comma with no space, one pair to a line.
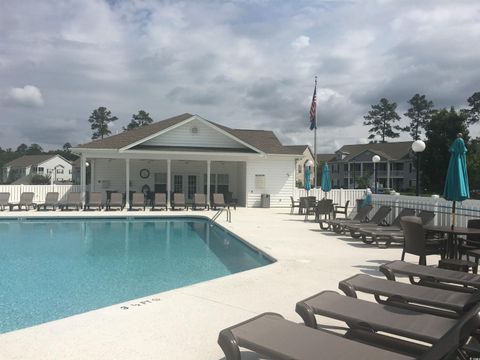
218,213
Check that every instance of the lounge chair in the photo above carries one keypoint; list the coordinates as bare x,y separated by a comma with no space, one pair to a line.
218,201
367,229
51,199
294,204
370,316
416,242
26,200
432,277
74,199
160,201
116,201
94,201
434,301
377,219
272,336
338,225
390,234
179,201
4,197
199,201
138,201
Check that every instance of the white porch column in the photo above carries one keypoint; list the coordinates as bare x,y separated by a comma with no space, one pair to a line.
83,175
348,171
92,175
388,175
208,181
169,181
127,183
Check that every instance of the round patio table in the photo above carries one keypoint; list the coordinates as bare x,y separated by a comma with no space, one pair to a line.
452,236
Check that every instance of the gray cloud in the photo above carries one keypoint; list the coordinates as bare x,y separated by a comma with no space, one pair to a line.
245,64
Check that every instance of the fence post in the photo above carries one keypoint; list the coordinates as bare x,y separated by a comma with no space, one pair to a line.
435,210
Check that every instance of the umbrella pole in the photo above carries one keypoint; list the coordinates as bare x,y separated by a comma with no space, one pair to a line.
453,215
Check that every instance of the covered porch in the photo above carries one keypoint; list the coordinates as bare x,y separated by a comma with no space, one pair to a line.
173,174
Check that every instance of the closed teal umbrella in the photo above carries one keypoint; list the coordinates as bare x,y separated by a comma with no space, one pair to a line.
456,183
326,179
306,182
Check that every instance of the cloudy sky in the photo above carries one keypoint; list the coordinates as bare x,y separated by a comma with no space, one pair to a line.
241,63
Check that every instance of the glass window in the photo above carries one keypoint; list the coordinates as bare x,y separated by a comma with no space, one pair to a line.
60,170
192,186
40,170
222,183
160,185
178,183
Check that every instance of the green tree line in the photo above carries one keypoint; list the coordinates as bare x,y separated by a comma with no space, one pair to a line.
437,127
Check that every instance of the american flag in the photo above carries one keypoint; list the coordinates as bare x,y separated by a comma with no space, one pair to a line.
313,109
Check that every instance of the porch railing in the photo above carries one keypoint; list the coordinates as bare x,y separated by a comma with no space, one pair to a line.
39,190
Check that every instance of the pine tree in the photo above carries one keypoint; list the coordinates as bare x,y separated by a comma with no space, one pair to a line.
99,121
420,114
381,119
138,120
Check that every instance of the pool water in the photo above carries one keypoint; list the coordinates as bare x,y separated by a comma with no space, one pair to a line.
51,269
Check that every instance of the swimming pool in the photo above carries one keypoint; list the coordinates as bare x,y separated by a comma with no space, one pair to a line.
54,268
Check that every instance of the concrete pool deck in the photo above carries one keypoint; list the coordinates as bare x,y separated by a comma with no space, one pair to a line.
184,323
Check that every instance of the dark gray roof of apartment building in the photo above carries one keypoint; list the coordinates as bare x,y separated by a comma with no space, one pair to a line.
390,151
263,140
29,160
322,158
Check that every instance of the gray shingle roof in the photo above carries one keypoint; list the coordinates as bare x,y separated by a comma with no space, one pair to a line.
28,160
390,151
321,158
263,140
297,149
123,139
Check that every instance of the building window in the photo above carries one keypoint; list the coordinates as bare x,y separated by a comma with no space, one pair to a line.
222,183
40,170
70,171
299,169
60,170
345,168
178,183
160,185
410,167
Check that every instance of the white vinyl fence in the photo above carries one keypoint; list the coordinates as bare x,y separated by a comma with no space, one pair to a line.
339,196
465,210
39,190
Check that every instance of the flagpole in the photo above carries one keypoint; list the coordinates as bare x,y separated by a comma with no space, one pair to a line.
315,142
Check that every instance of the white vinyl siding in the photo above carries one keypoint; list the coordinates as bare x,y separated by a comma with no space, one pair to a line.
279,181
205,136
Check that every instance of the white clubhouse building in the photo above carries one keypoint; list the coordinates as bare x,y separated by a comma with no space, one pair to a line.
190,154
